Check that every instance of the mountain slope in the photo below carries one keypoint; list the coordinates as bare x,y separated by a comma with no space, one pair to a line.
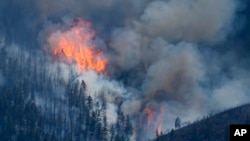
215,128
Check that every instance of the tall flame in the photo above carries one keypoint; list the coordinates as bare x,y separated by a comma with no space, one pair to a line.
153,119
150,115
159,121
74,45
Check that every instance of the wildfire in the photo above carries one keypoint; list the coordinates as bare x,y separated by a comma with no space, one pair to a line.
150,115
74,45
159,129
159,120
154,118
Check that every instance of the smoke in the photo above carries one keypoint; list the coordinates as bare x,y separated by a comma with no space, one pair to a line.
74,44
189,20
61,71
126,45
169,56
103,89
176,76
234,91
234,88
74,6
1,79
2,43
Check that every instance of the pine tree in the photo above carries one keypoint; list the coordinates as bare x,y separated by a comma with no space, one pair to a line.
105,129
172,135
128,128
177,122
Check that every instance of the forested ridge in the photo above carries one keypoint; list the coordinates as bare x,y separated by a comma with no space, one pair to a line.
122,70
212,128
32,107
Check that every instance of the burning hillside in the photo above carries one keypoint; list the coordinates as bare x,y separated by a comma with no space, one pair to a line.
73,44
105,65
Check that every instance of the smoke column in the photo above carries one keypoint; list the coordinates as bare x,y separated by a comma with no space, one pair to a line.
159,59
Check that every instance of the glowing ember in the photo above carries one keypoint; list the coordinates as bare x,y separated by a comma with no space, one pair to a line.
74,45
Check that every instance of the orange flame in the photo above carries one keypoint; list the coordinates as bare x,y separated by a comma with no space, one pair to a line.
159,121
159,129
74,45
150,115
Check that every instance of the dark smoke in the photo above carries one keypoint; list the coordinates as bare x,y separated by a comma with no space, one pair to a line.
183,55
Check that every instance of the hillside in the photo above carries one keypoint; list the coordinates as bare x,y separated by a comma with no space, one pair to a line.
123,70
215,128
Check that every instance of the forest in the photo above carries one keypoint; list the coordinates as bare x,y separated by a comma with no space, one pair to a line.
74,117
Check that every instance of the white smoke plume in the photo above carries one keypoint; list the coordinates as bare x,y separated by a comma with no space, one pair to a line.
101,88
156,56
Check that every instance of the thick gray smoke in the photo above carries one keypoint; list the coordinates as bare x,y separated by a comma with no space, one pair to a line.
188,20
161,55
127,46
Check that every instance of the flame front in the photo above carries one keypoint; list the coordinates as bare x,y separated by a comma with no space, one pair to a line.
74,45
